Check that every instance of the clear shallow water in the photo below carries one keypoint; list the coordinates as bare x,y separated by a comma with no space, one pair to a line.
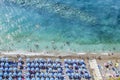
69,25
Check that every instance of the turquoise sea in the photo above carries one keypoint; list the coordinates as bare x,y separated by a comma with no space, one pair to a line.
60,25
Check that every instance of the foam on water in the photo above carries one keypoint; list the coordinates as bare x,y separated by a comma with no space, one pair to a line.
69,25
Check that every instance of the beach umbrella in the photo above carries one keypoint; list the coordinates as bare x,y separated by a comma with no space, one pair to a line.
59,74
19,78
2,64
50,69
42,74
66,65
41,65
37,69
10,78
1,74
54,65
1,68
14,69
28,64
56,79
32,69
69,61
32,64
19,64
6,69
86,75
28,60
69,74
6,59
10,74
55,74
20,59
2,59
42,78
58,65
57,60
27,74
50,74
5,74
83,66
10,69
46,74
49,64
73,61
74,65
81,62
28,69
49,60
51,78
33,78
36,64
36,59
45,64
0,78
38,78
14,74
37,74
47,78
59,70
19,73
6,64
27,78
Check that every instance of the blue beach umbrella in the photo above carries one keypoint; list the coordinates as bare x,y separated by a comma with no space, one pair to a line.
42,78
20,59
57,60
56,79
51,78
37,74
58,65
1,68
19,64
14,74
2,64
36,64
10,78
33,78
45,64
32,64
32,69
55,74
81,62
10,69
2,59
37,69
28,64
47,78
38,78
83,66
1,74
28,69
27,78
5,74
46,75
19,78
6,64
28,60
10,74
19,73
6,59
0,78
27,74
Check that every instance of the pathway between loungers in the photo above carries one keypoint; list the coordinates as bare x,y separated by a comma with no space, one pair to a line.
94,67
